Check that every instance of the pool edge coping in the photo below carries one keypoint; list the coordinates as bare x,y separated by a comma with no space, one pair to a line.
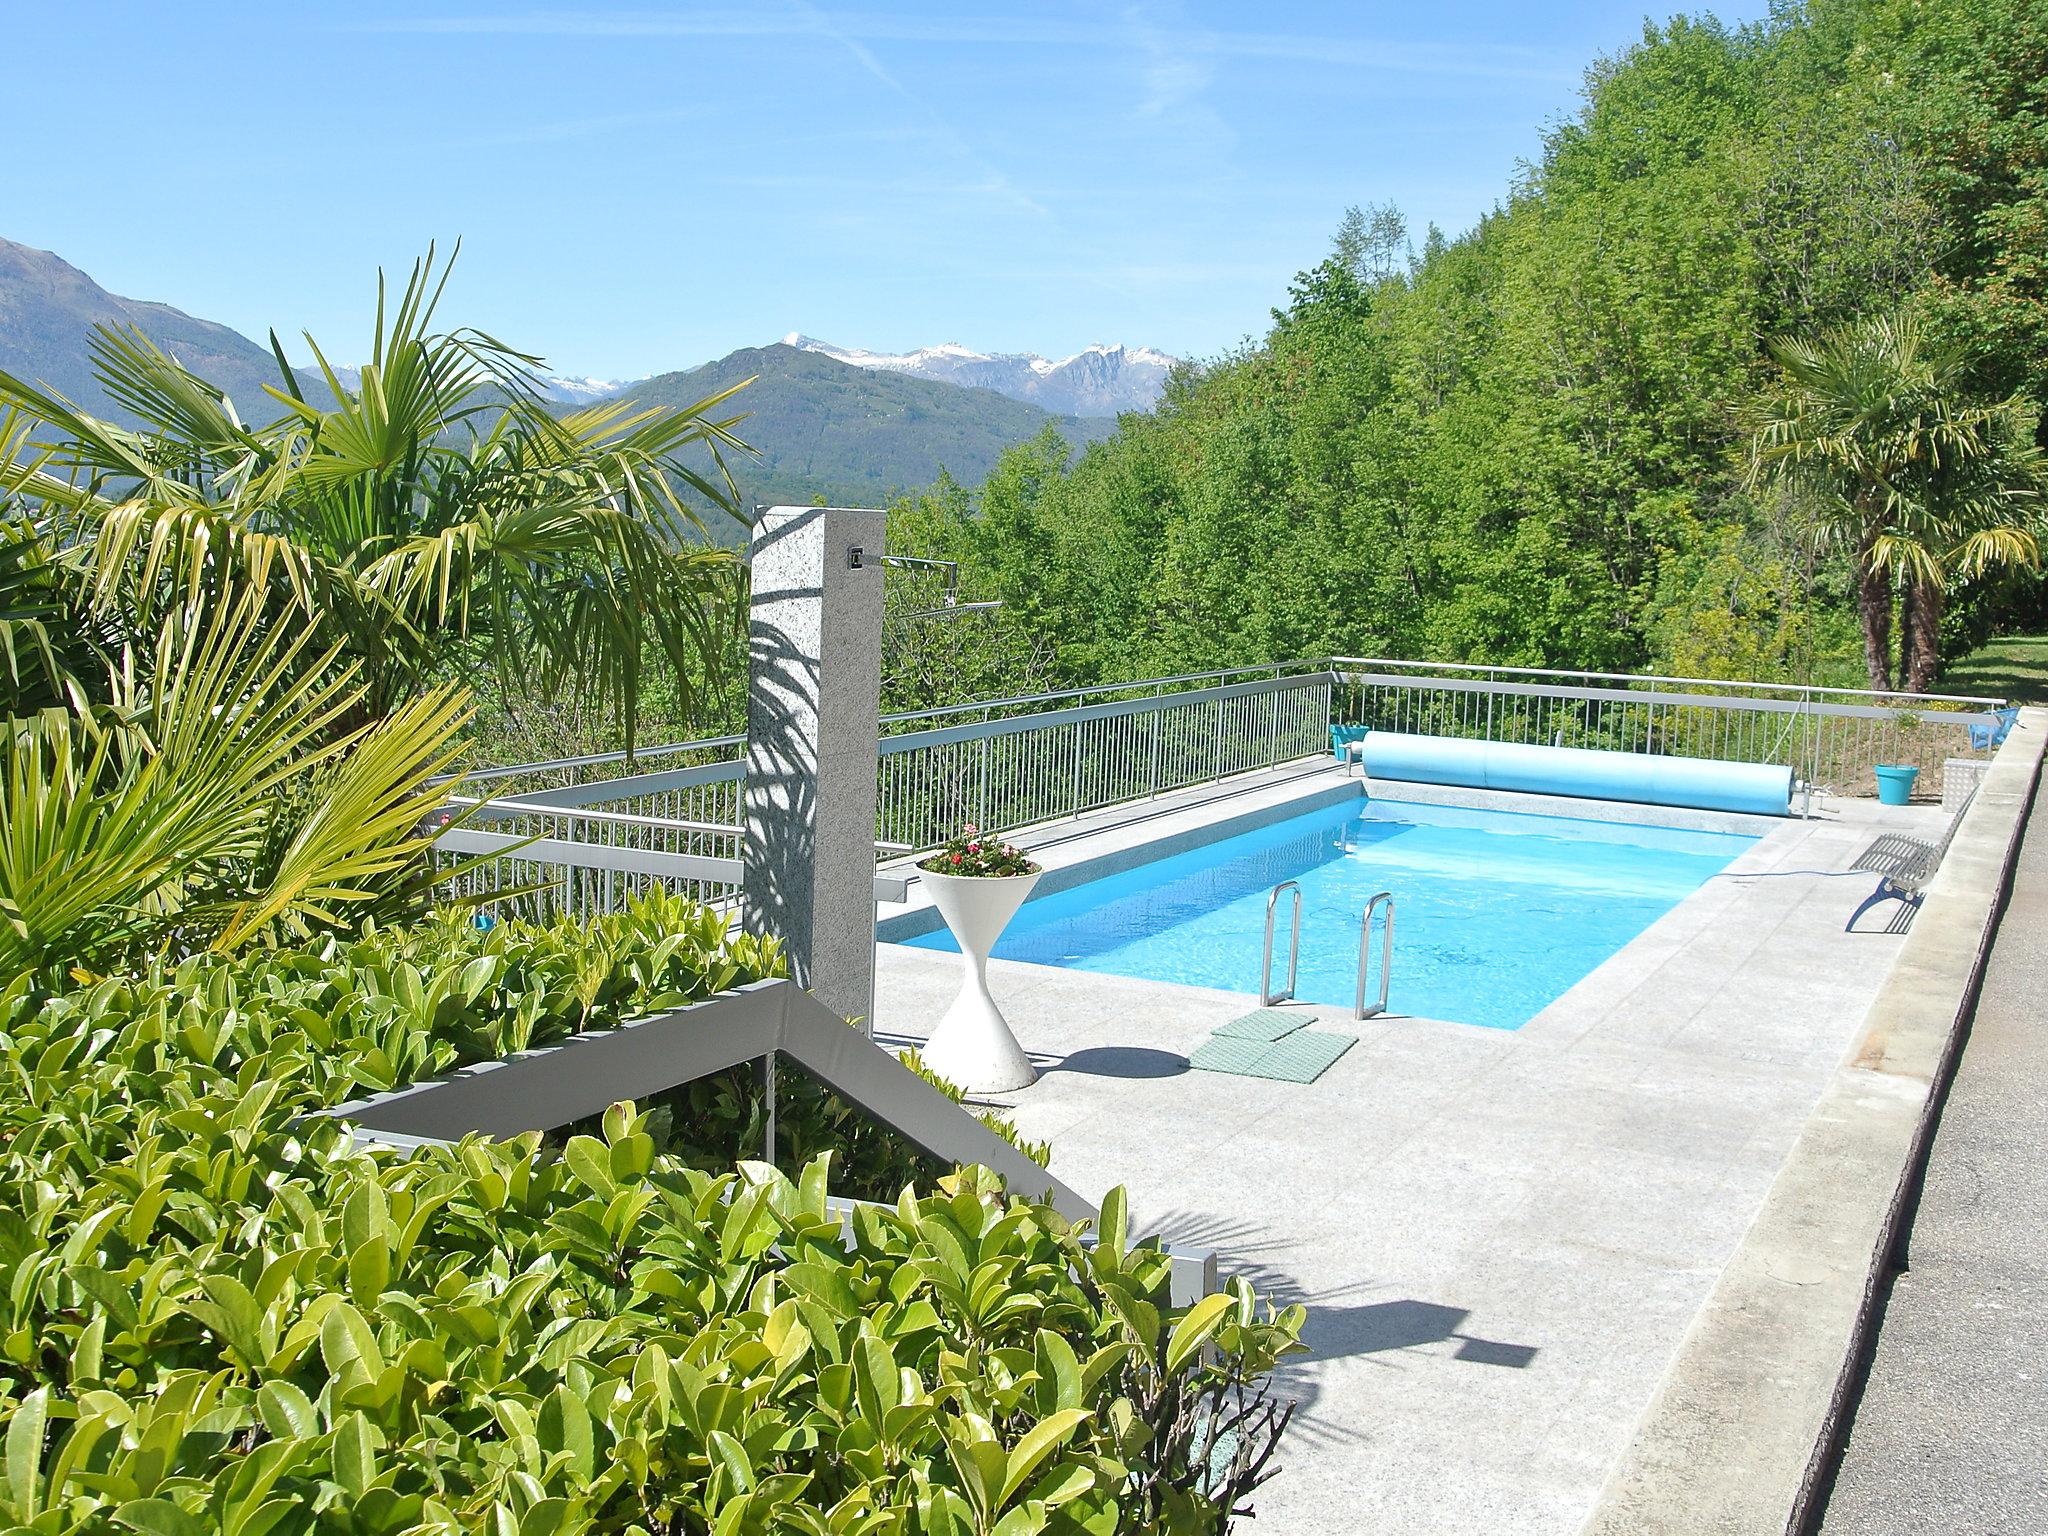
1747,1418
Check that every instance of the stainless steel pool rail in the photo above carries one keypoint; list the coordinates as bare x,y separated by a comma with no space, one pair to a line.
1360,1009
1267,996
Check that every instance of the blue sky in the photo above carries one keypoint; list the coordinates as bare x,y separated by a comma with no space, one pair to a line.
640,190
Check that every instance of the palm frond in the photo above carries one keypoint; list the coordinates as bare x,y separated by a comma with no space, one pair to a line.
141,823
177,405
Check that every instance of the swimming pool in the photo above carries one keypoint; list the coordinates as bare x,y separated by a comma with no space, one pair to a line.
1499,913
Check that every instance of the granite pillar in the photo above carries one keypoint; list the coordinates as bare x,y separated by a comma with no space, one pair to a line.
814,678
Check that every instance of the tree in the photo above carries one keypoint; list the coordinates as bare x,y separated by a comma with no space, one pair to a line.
426,518
1371,242
1921,479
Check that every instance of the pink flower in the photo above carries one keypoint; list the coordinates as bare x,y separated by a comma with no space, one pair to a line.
974,847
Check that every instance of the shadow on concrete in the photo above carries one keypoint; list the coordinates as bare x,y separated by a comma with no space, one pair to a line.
1130,1061
1340,1324
1901,918
1335,1333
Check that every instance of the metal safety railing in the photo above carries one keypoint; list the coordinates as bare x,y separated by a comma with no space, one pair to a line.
1360,1009
1009,770
602,834
1019,761
540,861
1267,996
1827,736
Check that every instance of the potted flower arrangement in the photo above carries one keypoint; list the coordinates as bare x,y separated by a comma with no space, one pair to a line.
978,883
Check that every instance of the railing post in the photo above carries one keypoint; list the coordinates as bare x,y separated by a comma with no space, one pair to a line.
1074,785
981,808
1152,776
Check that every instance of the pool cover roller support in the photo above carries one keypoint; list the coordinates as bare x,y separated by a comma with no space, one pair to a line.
1644,778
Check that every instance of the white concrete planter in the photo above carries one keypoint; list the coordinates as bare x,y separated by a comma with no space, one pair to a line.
973,1046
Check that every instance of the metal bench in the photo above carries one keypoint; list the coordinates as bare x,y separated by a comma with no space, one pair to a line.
1905,865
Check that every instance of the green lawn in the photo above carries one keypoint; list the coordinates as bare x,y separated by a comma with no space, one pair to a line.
2014,668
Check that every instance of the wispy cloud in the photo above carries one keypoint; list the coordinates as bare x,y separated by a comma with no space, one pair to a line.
563,130
1478,58
991,188
1174,78
921,106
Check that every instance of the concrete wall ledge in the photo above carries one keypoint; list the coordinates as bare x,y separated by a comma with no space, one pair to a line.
1742,1433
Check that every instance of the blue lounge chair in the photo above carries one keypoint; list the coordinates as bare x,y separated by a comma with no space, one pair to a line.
1992,734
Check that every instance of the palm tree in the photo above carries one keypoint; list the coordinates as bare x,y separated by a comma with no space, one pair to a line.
428,517
1921,480
207,795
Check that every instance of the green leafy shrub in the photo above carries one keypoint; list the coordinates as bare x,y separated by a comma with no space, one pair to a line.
221,1315
709,1122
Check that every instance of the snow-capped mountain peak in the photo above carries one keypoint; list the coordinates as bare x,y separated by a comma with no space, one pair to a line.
1099,380
561,388
579,391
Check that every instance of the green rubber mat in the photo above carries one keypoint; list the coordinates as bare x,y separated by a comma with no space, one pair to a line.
1263,1024
1300,1057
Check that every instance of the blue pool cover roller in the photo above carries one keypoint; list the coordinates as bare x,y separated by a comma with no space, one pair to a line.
1696,783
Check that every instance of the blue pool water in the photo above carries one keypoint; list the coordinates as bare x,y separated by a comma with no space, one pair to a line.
1498,913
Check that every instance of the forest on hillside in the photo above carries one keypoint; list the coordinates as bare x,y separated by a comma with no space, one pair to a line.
1536,443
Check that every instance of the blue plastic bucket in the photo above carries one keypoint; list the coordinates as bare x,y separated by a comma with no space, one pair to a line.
1895,783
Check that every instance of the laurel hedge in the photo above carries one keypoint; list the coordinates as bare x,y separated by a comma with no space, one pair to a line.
222,1315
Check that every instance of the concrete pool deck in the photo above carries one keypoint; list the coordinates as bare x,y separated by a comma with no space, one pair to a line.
1502,1238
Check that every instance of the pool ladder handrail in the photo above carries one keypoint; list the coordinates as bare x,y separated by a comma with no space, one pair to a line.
1267,996
1360,1009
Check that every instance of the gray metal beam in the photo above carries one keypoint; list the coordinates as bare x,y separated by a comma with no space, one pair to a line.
581,855
556,1085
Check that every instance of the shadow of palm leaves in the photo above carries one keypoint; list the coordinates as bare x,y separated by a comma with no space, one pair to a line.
1354,1320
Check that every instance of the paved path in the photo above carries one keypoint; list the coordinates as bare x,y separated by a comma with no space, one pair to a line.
1951,1435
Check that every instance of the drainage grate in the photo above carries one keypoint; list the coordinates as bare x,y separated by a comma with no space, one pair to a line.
1301,1056
1263,1024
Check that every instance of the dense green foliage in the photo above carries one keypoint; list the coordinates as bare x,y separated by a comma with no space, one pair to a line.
222,1316
1526,445
227,641
214,796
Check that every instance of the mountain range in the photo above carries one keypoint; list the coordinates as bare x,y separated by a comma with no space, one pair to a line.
825,422
48,309
1097,381
854,435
